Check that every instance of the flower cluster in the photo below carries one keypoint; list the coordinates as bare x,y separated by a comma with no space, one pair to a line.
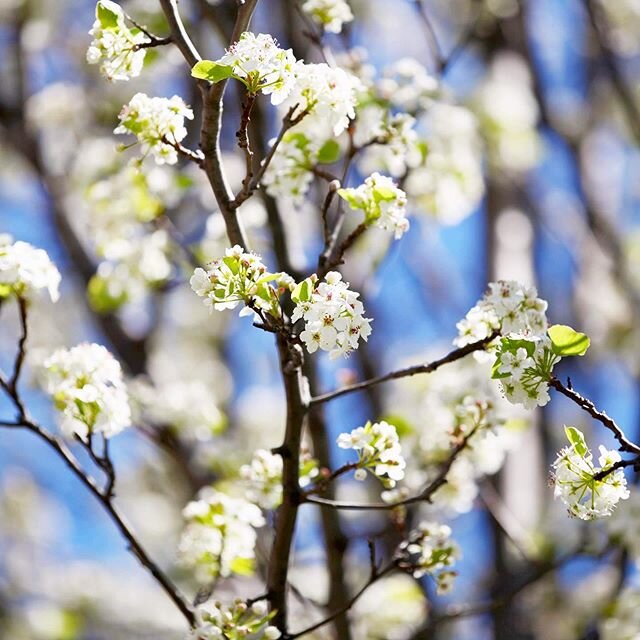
381,201
524,366
219,538
289,173
238,278
257,62
332,315
448,183
508,112
327,94
330,14
588,491
26,271
430,550
87,388
115,46
135,255
264,477
214,621
158,123
507,307
407,85
379,451
388,141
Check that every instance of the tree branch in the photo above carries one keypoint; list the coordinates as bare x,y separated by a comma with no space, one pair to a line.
457,354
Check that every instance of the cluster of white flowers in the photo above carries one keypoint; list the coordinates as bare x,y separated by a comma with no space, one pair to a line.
330,14
258,62
214,621
158,123
136,255
289,173
508,114
238,278
507,307
219,538
115,46
332,315
87,388
389,141
449,183
407,85
430,550
327,94
523,366
379,451
26,271
264,477
588,491
381,201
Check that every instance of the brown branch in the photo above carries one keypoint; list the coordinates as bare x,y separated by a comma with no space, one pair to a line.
179,34
105,497
453,356
286,515
588,406
252,183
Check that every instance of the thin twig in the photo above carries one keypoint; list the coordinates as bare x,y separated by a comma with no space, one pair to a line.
430,367
600,416
432,39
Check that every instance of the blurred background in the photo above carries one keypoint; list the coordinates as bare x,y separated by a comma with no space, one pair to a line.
531,111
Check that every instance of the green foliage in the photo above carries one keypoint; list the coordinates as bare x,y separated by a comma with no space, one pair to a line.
329,152
576,438
568,342
101,299
211,71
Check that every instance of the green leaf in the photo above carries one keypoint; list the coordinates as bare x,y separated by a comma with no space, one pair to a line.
403,426
353,200
107,17
302,291
383,193
211,71
568,342
576,438
329,152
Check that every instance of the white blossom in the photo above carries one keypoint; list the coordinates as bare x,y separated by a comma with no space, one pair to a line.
261,65
430,550
449,183
330,14
264,477
220,535
115,46
507,307
158,123
289,174
381,201
407,85
328,94
588,491
379,451
215,621
332,315
26,271
88,391
237,278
